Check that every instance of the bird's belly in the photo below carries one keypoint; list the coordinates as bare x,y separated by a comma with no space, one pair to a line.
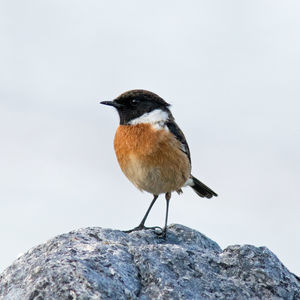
155,179
153,162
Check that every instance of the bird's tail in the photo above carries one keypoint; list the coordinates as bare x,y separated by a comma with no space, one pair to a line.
200,188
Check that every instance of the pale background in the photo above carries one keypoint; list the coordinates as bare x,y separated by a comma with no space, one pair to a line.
231,69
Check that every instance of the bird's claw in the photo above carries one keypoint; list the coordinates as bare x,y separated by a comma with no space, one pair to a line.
158,230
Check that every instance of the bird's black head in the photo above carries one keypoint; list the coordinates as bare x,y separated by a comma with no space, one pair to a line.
136,103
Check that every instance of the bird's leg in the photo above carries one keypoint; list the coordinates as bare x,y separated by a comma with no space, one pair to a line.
142,224
164,232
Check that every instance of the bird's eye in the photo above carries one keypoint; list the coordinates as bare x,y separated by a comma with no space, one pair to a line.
134,101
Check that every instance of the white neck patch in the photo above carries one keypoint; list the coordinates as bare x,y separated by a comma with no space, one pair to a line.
156,118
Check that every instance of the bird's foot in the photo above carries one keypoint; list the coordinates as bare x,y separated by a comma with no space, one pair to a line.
158,230
163,233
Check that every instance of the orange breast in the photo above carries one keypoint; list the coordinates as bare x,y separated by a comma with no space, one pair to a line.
151,159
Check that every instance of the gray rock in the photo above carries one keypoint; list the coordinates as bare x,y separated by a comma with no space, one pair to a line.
96,263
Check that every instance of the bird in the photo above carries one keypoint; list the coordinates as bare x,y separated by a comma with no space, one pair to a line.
152,151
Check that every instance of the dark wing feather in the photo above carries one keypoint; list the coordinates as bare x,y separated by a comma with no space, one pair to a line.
176,131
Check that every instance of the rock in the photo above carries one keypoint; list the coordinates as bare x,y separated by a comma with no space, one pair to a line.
96,263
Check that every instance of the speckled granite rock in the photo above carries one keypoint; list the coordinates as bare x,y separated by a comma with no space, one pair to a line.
95,263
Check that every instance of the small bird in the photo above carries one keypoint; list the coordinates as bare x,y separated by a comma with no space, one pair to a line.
152,150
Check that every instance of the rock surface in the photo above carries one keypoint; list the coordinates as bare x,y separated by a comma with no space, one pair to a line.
95,263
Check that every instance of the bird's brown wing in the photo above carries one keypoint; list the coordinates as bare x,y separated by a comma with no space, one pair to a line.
176,131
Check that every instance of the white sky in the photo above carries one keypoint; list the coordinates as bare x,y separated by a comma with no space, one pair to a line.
231,70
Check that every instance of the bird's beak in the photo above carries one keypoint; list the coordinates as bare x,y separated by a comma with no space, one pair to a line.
111,103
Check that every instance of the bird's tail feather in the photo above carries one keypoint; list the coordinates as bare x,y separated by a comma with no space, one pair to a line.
200,188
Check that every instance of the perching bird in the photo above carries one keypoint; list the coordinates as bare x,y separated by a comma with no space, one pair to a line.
152,150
